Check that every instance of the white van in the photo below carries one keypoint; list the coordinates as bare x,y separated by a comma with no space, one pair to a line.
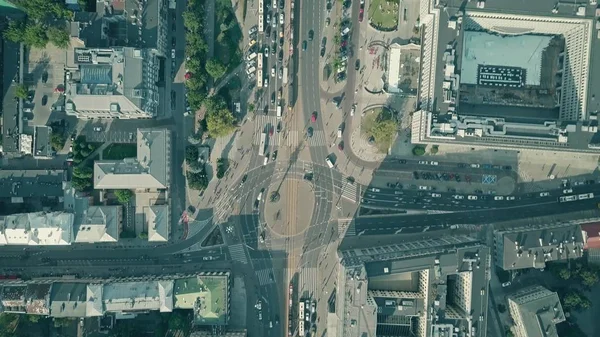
266,160
329,163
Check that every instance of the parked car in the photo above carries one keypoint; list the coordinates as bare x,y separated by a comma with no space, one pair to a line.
313,117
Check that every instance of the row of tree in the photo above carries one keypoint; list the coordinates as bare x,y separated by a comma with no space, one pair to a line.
196,51
46,21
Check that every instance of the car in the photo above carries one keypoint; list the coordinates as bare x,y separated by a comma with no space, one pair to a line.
341,146
307,316
472,197
434,163
271,324
268,19
313,117
579,183
309,132
98,128
279,127
270,131
70,148
510,197
244,178
44,100
353,110
506,284
313,307
266,82
498,197
273,48
323,52
567,191
544,194
173,42
423,188
458,197
251,43
281,21
280,56
422,162
311,35
281,42
273,72
266,52
273,98
173,53
279,93
475,165
304,45
260,315
436,195
373,189
274,23
357,65
252,30
327,22
274,155
361,15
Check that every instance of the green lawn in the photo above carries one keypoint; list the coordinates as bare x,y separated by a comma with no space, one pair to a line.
383,14
117,151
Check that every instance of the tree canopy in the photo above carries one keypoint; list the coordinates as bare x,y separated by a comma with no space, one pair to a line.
220,122
215,68
123,196
191,154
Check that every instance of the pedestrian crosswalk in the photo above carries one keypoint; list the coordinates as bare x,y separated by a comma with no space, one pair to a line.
265,276
349,191
346,227
238,253
309,281
317,139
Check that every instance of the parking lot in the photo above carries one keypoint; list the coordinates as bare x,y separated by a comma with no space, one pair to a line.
44,73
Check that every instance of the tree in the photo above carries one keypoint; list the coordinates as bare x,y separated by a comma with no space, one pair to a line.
35,35
197,180
215,68
57,140
589,278
191,154
564,273
14,31
21,91
143,235
434,149
418,150
59,37
384,131
82,177
123,196
220,123
251,107
575,300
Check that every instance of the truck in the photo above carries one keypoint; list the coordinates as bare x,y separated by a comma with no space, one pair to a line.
285,75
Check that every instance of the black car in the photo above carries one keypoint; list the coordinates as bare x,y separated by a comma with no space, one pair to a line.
322,52
44,100
273,98
309,132
357,65
278,126
311,35
280,56
281,42
274,156
304,44
173,42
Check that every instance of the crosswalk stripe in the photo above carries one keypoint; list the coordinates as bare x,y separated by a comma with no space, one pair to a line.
238,253
350,231
317,139
309,281
264,276
349,191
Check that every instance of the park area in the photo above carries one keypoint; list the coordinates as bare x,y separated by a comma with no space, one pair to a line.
383,14
379,128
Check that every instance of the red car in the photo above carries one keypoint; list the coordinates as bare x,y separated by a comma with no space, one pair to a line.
313,117
271,131
361,15
341,146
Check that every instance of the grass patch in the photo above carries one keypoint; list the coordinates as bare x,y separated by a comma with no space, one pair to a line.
383,14
380,127
119,151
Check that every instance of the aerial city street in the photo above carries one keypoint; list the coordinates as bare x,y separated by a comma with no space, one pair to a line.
270,168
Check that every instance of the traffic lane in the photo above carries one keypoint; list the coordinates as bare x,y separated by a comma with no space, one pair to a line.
395,222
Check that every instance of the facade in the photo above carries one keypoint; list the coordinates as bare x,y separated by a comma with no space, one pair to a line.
423,287
535,311
150,170
118,82
533,246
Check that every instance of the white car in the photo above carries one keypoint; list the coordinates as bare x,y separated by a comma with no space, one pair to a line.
458,197
510,197
578,183
280,74
436,195
268,19
273,72
506,284
544,194
266,52
434,163
567,191
375,189
307,317
472,197
475,165
422,162
281,18
353,110
423,188
498,197
97,128
173,53
274,24
266,82
258,305
252,30
260,315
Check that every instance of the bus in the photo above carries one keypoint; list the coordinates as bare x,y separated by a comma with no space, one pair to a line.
301,328
263,139
301,312
261,23
259,61
261,6
259,78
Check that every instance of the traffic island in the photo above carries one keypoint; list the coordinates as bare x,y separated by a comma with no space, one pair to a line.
289,207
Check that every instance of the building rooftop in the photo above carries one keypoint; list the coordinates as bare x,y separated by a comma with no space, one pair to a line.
110,83
68,299
207,295
31,183
42,147
157,222
539,310
40,228
136,296
98,224
150,170
532,247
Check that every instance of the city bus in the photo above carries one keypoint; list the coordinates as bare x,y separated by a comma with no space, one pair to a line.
263,139
259,78
301,311
259,61
261,23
